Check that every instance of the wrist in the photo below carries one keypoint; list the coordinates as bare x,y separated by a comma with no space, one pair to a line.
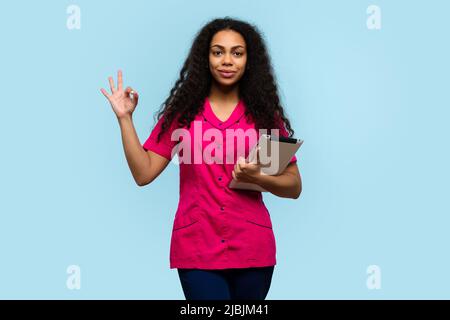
125,118
260,179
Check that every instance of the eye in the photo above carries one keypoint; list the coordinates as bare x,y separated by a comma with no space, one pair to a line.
239,53
216,52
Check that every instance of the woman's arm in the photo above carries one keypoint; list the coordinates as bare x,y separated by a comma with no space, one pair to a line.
287,184
145,166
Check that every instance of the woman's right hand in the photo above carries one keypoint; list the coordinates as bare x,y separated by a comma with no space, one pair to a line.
123,102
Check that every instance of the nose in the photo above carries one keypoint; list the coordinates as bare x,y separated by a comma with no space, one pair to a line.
227,59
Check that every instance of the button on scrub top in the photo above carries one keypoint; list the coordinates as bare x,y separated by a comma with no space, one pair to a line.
215,227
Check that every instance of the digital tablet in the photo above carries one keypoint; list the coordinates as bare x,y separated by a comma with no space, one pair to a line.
275,153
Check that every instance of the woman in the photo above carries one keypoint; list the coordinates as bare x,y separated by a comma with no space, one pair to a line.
222,241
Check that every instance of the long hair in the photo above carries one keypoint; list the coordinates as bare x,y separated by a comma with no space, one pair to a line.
257,86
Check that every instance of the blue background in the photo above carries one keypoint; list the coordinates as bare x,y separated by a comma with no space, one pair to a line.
371,105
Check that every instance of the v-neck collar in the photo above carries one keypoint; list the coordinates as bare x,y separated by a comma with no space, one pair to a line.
237,113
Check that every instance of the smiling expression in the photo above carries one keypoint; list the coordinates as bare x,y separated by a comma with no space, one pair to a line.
227,57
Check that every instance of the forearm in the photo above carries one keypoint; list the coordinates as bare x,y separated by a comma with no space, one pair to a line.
138,160
284,185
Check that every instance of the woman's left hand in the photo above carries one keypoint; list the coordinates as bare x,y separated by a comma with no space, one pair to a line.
246,171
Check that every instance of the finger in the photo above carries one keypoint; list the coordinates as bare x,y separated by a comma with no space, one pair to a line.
234,175
238,168
105,93
258,162
245,167
242,163
129,92
254,157
111,84
119,80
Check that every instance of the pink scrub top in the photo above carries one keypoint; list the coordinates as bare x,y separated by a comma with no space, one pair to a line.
216,227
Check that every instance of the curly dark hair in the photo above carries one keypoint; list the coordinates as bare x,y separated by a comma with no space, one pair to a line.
257,87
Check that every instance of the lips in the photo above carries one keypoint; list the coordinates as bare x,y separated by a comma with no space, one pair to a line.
227,73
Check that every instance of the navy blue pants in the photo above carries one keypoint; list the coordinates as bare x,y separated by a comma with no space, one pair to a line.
226,284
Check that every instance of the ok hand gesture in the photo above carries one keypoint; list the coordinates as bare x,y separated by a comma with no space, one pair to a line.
122,102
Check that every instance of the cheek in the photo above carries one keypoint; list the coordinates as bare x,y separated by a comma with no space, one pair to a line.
243,61
213,61
241,71
242,65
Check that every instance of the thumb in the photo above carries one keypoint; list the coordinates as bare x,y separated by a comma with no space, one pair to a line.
132,94
257,155
255,159
127,91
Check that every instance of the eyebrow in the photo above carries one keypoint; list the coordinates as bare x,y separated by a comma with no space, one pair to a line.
218,45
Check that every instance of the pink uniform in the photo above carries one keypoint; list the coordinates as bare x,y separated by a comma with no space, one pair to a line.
216,227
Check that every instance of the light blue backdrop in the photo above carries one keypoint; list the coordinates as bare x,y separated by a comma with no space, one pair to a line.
371,105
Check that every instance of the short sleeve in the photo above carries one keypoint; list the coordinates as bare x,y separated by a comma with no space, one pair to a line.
165,145
285,133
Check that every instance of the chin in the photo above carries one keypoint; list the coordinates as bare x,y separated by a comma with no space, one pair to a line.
230,82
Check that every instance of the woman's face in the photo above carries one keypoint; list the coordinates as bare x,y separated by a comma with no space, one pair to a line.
227,57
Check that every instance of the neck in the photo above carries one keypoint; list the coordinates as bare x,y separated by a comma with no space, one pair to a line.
224,94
